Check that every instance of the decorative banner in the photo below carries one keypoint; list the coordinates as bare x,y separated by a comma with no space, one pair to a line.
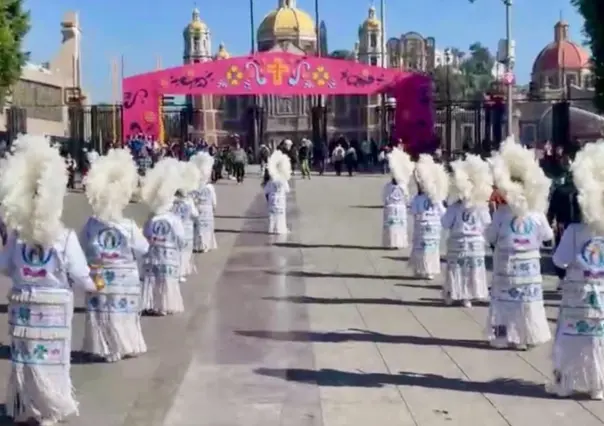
281,74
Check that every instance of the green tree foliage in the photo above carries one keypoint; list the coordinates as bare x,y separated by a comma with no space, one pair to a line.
14,25
470,79
593,28
342,54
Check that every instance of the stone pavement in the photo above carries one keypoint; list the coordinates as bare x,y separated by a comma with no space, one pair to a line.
325,328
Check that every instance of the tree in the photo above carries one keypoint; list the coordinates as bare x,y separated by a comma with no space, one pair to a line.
14,25
342,54
470,79
592,11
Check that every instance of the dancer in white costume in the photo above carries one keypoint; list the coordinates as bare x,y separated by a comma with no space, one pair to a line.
519,228
279,170
184,207
427,209
467,219
43,259
396,197
205,202
578,352
114,247
166,235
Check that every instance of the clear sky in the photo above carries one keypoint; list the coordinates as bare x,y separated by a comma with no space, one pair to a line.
143,31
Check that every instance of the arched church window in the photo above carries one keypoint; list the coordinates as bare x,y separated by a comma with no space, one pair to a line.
196,44
374,61
373,40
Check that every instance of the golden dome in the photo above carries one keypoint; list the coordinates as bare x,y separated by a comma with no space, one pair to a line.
372,22
222,52
196,25
287,22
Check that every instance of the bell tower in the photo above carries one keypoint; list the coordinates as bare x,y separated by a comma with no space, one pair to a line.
200,113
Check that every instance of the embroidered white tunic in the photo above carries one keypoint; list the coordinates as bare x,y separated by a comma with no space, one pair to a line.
516,314
466,277
185,209
204,234
161,289
427,228
114,251
40,312
276,193
394,232
579,342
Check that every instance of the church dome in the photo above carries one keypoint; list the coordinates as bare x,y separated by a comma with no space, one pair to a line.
287,22
372,22
196,25
222,52
561,53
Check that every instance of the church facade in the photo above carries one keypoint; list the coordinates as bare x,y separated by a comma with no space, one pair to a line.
290,29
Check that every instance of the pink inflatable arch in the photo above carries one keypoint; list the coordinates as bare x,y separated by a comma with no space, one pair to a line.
282,74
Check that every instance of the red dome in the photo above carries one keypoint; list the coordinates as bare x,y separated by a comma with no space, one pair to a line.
561,53
556,56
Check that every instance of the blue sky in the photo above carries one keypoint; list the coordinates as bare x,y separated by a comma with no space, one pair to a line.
143,31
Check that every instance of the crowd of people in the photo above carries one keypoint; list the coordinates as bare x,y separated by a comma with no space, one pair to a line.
127,271
457,201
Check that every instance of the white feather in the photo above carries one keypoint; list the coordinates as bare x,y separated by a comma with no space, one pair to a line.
401,166
588,177
204,163
190,176
32,187
161,184
110,183
431,178
471,181
520,179
279,167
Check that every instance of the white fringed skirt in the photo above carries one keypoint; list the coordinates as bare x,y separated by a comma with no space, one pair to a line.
395,236
466,278
517,315
39,385
424,259
113,327
277,223
161,292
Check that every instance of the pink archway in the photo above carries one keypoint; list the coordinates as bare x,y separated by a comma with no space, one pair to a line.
283,74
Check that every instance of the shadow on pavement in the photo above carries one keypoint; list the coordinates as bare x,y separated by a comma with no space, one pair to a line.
331,246
239,231
353,301
305,274
239,217
422,286
354,335
367,207
337,378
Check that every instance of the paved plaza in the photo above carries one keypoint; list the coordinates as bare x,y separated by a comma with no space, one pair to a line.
323,329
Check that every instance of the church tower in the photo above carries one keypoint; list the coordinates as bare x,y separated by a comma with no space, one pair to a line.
370,40
198,41
201,114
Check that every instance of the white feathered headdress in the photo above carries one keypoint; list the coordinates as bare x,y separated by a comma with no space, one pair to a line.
92,156
190,177
471,181
204,163
279,167
32,187
161,184
401,166
588,177
431,178
520,179
110,184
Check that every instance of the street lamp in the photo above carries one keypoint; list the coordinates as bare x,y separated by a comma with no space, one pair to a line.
448,107
509,65
390,109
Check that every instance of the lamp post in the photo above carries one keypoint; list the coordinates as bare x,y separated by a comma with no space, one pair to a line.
509,65
448,106
390,108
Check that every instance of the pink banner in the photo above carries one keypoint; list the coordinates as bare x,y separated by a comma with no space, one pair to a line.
281,74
